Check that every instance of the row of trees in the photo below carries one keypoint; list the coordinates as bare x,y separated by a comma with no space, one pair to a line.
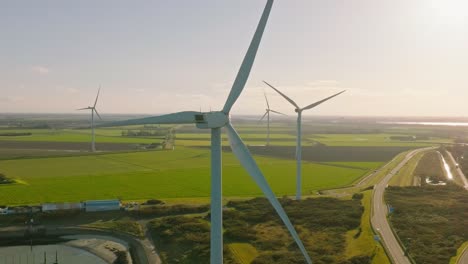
144,133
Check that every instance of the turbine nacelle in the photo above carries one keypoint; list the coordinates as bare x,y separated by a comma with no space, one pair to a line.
211,120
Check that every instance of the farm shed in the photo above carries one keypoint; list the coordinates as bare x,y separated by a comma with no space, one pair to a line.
101,205
61,206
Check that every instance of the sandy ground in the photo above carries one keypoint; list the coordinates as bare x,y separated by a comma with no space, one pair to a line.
101,246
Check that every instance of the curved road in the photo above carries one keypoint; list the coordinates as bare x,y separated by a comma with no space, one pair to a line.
379,219
464,257
459,171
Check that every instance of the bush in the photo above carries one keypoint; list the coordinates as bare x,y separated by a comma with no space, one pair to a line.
4,179
358,196
154,202
121,257
166,210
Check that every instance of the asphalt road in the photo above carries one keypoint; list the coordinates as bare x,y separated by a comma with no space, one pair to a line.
464,258
459,171
379,219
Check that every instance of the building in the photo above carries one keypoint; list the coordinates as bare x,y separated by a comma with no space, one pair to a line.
3,210
61,206
101,205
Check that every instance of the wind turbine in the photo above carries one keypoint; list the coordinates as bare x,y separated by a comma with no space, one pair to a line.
93,110
299,134
215,120
267,114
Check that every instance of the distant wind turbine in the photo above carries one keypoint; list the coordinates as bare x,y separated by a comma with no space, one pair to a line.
93,110
267,114
215,120
299,134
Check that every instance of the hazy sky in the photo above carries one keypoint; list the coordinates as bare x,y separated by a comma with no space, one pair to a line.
394,57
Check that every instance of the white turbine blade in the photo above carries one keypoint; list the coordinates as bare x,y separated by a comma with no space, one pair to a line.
263,117
266,99
187,117
83,108
282,94
247,161
95,110
97,96
276,112
321,101
246,66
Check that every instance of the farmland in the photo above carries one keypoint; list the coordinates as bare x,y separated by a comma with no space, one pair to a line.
160,174
54,165
56,159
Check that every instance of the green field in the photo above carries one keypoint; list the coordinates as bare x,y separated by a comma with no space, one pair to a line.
371,140
53,165
253,135
76,135
160,174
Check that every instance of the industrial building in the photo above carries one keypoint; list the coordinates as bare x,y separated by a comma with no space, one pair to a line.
61,206
101,205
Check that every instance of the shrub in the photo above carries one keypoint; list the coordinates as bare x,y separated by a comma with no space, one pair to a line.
154,202
358,196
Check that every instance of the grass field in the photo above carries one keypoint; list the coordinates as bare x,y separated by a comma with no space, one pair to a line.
190,136
460,250
370,140
243,253
160,174
77,135
182,173
405,177
365,244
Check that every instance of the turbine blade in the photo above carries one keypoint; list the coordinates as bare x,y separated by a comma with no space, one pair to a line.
266,99
246,66
276,112
83,108
97,96
263,117
321,101
282,94
245,158
187,117
95,110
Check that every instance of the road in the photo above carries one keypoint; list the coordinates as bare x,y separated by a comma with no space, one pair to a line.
379,219
464,257
459,171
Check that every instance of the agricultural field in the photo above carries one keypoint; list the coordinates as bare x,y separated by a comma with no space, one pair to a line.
44,164
56,159
160,174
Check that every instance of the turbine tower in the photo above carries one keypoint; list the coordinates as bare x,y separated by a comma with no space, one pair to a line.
93,110
299,135
267,114
215,120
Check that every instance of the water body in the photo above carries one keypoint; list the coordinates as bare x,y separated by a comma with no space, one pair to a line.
446,168
426,123
66,255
